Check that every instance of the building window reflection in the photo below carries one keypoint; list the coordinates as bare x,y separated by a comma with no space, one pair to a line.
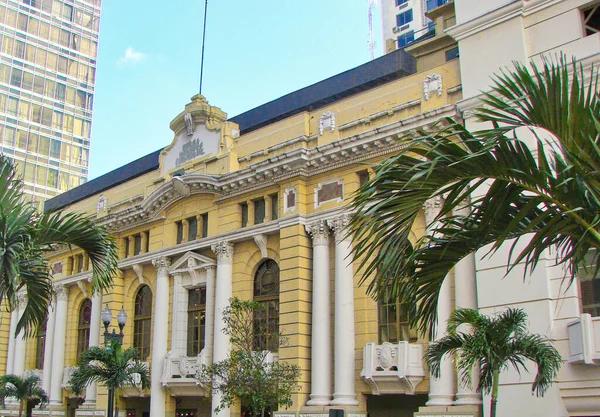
196,324
83,328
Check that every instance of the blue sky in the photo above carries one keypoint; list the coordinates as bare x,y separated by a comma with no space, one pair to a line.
256,51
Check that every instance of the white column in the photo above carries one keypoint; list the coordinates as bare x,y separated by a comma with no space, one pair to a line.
321,360
159,336
465,296
10,357
49,347
442,390
344,377
94,340
20,341
210,314
58,349
223,292
179,318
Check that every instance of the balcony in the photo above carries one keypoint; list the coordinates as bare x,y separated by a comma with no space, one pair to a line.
393,368
434,4
584,340
179,374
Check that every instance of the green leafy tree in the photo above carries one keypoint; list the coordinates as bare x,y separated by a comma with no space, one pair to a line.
546,191
492,345
26,391
246,374
110,366
27,236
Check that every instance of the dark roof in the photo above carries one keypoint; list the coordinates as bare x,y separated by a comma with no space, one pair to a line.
104,182
389,67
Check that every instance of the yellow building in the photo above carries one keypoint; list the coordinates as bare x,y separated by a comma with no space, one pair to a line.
252,207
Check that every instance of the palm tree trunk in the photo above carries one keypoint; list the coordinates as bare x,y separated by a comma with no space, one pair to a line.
495,380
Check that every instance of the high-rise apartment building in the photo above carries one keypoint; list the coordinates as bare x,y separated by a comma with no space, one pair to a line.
404,21
48,52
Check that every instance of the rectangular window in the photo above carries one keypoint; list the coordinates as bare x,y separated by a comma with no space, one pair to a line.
15,77
179,226
55,148
590,286
274,206
244,208
401,2
406,38
196,321
80,260
126,244
259,211
137,244
192,228
147,248
205,225
591,20
393,321
452,54
363,177
404,18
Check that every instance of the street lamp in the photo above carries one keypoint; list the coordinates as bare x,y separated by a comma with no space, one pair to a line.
106,317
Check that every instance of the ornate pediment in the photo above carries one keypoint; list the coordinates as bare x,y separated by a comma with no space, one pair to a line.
190,261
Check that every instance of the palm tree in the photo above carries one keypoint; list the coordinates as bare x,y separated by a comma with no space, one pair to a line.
548,194
27,236
492,345
25,390
111,366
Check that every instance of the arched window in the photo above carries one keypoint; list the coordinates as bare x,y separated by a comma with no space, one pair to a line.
41,345
142,321
266,321
196,324
83,326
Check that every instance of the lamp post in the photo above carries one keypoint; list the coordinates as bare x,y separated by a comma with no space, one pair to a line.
108,337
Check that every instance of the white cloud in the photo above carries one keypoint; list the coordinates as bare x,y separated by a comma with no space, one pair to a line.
131,57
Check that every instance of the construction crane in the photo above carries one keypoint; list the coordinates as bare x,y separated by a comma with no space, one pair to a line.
372,5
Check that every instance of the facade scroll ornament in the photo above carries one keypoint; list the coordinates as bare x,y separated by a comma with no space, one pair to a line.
319,232
62,293
432,208
326,122
224,251
432,85
161,264
338,225
189,124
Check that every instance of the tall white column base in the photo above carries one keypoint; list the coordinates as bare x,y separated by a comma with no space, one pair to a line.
58,348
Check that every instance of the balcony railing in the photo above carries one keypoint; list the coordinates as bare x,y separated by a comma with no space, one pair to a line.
393,368
584,340
433,4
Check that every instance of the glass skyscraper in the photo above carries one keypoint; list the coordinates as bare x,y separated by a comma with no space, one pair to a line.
48,52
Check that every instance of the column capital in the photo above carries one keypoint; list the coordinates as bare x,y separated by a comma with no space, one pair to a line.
62,293
21,300
319,232
432,208
161,264
224,251
338,225
209,267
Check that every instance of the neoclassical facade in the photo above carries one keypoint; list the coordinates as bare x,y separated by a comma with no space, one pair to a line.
254,207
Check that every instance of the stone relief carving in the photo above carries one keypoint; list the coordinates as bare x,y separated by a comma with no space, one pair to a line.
326,121
189,124
319,232
101,205
431,85
189,151
224,251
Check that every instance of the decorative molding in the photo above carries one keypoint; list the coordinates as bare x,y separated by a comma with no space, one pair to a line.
432,84
261,242
83,288
190,128
224,252
327,121
454,89
139,269
290,199
62,293
329,192
319,232
162,264
338,225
